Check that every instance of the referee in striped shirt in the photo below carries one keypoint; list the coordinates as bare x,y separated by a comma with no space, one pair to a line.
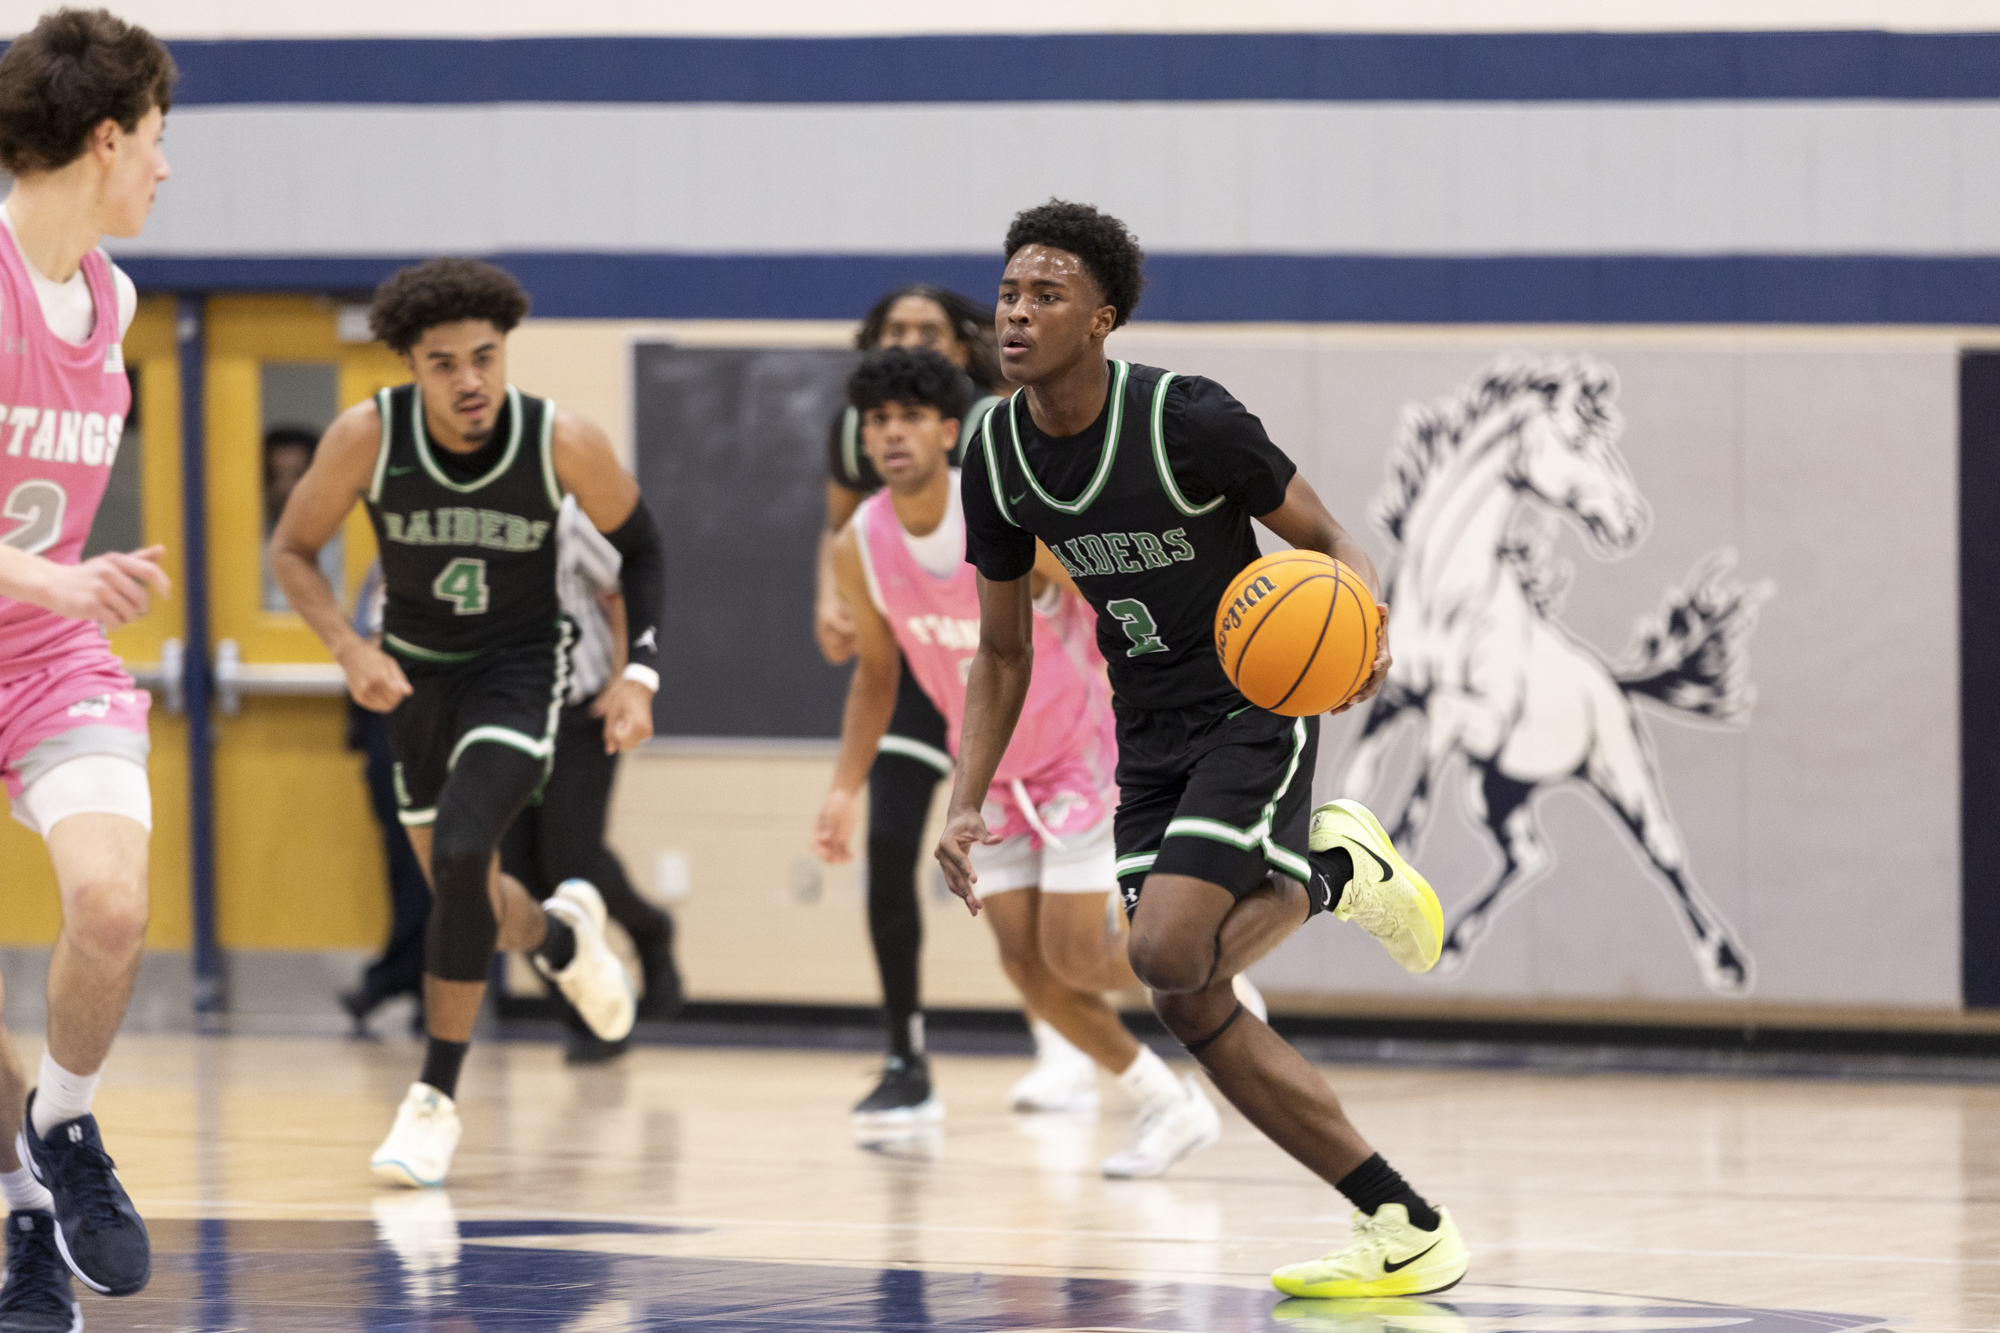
563,836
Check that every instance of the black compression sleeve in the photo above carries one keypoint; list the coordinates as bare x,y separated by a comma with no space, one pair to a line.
643,579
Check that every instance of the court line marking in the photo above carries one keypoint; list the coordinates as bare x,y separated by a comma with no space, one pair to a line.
716,1224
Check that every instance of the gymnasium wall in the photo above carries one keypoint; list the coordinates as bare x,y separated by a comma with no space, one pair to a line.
1768,238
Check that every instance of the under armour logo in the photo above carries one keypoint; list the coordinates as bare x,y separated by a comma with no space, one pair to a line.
25,1223
647,642
76,1133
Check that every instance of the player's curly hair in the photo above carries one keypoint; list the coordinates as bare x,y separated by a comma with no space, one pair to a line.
908,375
71,72
1107,247
444,291
971,321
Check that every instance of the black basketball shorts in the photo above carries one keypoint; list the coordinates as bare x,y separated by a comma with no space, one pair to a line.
510,696
916,728
1221,792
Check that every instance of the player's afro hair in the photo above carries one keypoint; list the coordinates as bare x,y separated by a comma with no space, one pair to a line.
908,375
1107,247
444,291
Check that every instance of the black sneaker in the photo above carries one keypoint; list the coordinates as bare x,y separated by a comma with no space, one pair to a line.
97,1229
663,995
37,1298
903,1097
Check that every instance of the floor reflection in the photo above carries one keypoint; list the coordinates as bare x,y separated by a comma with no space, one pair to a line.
415,1264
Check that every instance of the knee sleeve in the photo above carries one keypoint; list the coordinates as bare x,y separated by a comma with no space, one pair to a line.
485,793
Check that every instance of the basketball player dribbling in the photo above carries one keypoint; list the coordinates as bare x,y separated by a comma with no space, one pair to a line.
1144,483
464,477
901,567
83,100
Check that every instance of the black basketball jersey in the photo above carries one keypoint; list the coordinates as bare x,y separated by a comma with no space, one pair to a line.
1149,510
469,561
848,463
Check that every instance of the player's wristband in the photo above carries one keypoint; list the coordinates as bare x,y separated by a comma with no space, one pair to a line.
645,675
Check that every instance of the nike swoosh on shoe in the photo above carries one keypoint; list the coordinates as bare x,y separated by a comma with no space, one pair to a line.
1388,1267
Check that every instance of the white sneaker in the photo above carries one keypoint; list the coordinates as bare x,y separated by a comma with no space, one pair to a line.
1063,1079
1250,997
595,981
420,1144
1167,1134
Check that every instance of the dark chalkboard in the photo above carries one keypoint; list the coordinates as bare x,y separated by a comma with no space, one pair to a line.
731,455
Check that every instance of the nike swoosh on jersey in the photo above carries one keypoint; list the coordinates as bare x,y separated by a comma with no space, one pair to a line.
1388,1267
1016,499
401,471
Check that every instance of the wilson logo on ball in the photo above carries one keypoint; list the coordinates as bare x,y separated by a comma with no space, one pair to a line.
1297,633
1237,607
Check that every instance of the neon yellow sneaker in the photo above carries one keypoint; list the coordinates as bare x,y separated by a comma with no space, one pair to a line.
1386,897
1385,1256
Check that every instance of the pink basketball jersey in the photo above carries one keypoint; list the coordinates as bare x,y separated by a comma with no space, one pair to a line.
936,623
62,414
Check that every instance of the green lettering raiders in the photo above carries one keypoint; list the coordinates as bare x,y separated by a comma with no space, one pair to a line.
1097,554
456,525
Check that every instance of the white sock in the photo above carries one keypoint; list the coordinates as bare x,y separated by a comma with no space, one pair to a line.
24,1191
1149,1083
1052,1045
61,1095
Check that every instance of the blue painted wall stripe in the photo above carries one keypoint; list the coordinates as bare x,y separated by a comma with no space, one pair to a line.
1342,67
1308,289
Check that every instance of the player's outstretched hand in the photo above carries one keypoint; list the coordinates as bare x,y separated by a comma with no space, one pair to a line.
627,709
833,831
955,855
374,678
1382,661
113,589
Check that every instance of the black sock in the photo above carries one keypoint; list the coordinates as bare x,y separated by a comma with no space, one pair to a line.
559,945
442,1061
1375,1183
906,1039
1331,870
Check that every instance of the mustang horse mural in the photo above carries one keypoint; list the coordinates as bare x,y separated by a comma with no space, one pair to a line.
1481,484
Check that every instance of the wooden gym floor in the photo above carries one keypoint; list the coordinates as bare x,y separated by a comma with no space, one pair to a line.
723,1190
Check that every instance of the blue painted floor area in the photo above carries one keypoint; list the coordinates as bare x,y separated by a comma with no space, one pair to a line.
303,1276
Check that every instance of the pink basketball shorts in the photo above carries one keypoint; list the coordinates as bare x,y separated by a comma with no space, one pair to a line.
1056,828
83,703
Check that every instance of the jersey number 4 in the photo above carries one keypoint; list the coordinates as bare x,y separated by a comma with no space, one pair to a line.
463,584
38,505
1139,627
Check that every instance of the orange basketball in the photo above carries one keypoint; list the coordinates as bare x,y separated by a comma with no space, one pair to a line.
1296,633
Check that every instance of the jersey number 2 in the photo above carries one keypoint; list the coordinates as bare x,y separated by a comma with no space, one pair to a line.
39,506
1139,626
463,584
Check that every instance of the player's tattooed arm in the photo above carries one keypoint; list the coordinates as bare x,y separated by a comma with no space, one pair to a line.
340,474
1303,521
994,693
871,702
